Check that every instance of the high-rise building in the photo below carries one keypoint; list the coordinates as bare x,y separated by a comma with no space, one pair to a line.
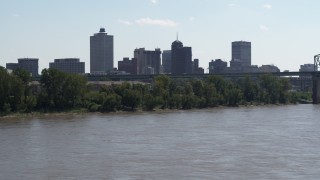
166,61
195,67
28,64
181,58
241,51
68,65
148,61
127,65
101,53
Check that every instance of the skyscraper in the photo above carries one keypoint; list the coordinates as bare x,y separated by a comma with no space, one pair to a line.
166,61
101,52
195,67
241,52
181,61
148,62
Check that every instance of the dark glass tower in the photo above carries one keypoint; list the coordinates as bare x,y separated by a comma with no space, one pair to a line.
241,52
181,58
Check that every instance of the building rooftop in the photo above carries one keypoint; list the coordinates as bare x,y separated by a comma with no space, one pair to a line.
102,30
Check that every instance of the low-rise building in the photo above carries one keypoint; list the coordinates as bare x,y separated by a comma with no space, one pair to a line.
68,65
12,66
306,68
217,66
269,68
28,64
127,65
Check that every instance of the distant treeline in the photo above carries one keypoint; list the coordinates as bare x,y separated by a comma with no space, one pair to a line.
59,91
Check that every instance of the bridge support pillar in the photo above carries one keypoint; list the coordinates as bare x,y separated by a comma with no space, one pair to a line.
316,88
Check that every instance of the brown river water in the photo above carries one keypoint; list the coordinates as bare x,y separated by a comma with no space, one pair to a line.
267,142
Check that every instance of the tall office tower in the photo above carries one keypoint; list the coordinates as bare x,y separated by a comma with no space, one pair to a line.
195,66
166,61
68,65
101,53
29,64
241,51
148,62
181,62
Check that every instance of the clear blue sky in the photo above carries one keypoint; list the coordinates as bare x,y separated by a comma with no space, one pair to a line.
285,33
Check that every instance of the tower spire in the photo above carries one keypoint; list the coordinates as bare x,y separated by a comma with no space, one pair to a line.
177,36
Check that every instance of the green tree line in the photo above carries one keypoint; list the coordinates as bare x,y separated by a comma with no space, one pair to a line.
58,91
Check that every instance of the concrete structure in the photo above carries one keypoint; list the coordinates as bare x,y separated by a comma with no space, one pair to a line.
252,69
269,68
195,67
316,88
317,62
127,65
148,61
101,53
68,65
166,61
241,51
306,68
217,66
12,66
30,65
181,62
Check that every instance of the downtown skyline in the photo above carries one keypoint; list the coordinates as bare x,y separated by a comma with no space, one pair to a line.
282,33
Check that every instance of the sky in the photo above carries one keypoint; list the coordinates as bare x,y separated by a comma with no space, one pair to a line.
285,33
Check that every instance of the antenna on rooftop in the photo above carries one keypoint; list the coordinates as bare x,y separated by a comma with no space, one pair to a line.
177,36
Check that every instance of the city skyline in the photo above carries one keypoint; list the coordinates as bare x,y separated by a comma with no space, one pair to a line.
282,33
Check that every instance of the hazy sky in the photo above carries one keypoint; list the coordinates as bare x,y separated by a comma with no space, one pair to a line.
285,33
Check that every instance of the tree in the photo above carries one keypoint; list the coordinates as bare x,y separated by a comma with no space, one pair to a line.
271,88
25,77
61,90
74,89
16,93
285,86
111,102
11,92
131,98
211,96
4,89
198,87
250,90
150,102
161,89
233,95
221,86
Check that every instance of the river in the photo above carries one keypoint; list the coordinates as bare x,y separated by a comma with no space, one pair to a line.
267,142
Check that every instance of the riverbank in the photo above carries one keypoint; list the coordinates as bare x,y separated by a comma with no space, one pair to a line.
39,114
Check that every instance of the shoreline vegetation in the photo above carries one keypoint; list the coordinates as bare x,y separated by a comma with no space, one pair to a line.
77,112
61,93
